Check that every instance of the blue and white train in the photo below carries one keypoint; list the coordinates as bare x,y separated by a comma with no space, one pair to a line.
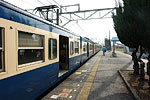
36,54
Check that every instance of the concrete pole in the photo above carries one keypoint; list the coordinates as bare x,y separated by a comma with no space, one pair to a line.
113,53
113,46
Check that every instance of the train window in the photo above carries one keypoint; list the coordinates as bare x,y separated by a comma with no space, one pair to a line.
84,47
30,47
76,47
90,46
1,50
71,48
52,48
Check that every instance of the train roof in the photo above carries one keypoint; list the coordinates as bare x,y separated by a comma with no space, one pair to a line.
12,8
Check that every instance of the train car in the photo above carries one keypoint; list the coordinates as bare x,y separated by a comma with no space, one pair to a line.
36,54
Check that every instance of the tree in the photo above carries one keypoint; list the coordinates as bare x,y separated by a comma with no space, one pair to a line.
132,24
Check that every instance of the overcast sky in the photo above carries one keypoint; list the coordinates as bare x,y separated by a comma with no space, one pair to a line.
95,29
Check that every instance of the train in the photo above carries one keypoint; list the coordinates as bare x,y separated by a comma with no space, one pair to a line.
36,54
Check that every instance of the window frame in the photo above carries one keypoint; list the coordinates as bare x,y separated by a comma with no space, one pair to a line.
51,52
90,46
76,47
84,47
30,48
3,51
72,48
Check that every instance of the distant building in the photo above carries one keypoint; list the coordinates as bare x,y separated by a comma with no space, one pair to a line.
107,44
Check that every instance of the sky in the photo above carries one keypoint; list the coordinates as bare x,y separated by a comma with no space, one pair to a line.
96,30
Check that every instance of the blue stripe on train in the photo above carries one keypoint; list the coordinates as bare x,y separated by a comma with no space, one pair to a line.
73,62
29,85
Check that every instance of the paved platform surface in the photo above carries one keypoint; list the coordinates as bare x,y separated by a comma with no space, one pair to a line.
97,79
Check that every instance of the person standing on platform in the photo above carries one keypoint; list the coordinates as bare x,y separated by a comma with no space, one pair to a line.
104,50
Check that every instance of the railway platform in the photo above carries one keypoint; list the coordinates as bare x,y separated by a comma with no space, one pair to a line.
97,79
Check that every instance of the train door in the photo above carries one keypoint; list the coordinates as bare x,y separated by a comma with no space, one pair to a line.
63,54
87,49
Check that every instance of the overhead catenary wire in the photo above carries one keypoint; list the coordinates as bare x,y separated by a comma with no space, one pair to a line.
71,23
57,3
48,1
28,3
82,29
40,2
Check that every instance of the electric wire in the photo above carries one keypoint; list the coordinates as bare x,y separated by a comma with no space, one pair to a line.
63,8
57,3
82,29
27,3
48,1
71,23
40,2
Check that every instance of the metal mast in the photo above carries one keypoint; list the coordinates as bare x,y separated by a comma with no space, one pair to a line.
47,12
83,14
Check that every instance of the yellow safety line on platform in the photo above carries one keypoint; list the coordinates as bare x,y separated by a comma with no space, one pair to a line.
84,93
